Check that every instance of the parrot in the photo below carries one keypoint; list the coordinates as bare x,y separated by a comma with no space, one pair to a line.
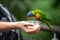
39,15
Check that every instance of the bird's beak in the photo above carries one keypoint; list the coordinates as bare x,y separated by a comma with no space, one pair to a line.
28,18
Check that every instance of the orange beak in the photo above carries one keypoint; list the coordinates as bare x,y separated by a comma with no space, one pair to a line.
28,18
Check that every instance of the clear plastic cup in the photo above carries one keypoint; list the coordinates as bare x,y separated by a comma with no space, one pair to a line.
35,23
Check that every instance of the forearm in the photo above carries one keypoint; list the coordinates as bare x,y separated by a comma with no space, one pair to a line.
7,26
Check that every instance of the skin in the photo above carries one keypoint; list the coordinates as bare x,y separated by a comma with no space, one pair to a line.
5,26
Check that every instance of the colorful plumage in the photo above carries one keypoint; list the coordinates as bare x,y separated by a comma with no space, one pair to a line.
40,16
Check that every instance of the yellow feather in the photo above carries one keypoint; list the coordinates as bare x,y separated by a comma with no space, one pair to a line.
33,12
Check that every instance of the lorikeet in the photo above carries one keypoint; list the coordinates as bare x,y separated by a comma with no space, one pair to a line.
40,16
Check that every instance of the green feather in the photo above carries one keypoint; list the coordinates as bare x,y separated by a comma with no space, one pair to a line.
47,23
43,18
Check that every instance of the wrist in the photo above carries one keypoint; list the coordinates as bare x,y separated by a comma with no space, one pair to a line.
14,25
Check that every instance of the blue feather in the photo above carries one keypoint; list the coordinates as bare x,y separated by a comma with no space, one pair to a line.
29,14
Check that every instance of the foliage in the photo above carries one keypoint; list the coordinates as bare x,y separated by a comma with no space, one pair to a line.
20,8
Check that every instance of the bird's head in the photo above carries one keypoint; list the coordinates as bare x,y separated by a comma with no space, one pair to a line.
34,13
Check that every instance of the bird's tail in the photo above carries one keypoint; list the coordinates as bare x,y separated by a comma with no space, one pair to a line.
49,27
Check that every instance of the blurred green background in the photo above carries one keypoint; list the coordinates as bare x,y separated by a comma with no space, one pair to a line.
21,7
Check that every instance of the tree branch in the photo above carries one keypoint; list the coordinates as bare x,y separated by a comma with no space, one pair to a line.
54,27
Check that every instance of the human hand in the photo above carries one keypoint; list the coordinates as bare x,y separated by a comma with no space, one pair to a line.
24,26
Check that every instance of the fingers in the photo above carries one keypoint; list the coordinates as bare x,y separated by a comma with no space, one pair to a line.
24,27
33,30
28,24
